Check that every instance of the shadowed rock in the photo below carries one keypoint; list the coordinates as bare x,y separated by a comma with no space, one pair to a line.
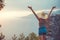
55,26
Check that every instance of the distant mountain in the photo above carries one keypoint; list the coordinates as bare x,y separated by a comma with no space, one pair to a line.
57,11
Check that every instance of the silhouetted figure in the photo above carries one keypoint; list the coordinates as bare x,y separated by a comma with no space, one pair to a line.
43,24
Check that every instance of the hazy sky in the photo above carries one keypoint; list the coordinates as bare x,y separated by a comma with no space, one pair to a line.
12,16
36,4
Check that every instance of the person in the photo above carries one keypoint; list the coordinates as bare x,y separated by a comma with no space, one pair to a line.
43,24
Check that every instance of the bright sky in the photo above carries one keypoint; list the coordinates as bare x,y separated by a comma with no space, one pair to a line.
12,15
18,8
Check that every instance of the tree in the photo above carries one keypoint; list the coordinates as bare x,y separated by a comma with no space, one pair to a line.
27,38
2,36
1,4
14,37
21,37
32,36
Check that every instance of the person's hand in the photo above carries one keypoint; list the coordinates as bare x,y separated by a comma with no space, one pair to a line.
29,7
53,7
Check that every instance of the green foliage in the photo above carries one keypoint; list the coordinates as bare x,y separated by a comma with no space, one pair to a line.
27,38
1,4
2,36
21,37
32,36
14,37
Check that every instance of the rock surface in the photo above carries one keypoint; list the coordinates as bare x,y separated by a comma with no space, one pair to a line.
55,27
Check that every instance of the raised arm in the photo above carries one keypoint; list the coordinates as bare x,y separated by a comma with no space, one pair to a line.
47,21
51,11
33,12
